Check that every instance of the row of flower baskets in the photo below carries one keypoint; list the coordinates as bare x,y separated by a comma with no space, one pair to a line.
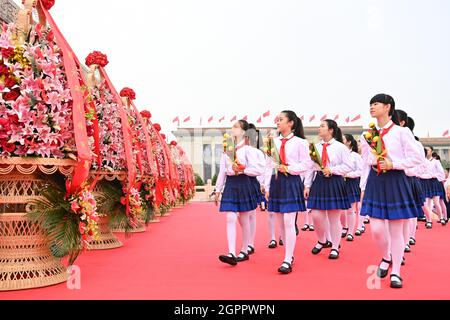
43,89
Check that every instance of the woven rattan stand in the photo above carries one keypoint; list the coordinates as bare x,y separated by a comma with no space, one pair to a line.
25,258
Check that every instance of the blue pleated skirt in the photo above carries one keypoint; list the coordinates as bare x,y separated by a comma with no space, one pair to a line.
433,188
419,195
328,193
238,195
286,194
353,189
257,186
389,196
427,188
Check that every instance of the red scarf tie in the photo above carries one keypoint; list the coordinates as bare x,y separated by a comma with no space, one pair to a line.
283,159
325,158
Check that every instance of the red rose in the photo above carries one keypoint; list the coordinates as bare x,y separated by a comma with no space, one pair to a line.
157,127
90,131
4,70
10,82
7,53
11,96
97,58
146,114
110,127
173,143
9,147
50,36
48,4
4,122
128,93
123,200
163,136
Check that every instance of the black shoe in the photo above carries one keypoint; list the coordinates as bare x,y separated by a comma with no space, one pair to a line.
422,219
358,233
396,282
251,250
334,255
429,225
350,238
443,222
273,244
297,230
403,261
366,221
408,249
311,228
381,273
316,251
285,268
281,242
344,233
242,257
305,227
230,259
328,244
412,242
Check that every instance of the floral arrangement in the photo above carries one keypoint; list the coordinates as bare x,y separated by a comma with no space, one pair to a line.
270,149
35,101
128,93
112,150
315,155
84,205
146,114
97,58
135,202
229,148
173,143
375,142
48,4
157,127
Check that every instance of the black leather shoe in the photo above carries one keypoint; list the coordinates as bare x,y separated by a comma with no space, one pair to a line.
311,228
412,242
350,238
281,243
305,227
408,249
285,268
328,244
403,261
334,255
358,232
381,273
316,251
366,221
273,244
230,259
429,225
396,282
251,250
242,257
344,233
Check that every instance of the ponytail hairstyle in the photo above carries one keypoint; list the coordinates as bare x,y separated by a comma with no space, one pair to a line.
297,127
426,152
244,126
387,99
337,133
436,156
411,124
253,136
353,143
402,116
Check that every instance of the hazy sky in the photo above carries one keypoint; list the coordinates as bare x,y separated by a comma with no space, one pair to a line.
244,57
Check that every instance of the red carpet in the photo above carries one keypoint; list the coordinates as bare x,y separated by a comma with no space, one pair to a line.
178,259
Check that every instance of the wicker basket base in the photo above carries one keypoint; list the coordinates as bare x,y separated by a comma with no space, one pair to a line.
138,229
107,240
25,259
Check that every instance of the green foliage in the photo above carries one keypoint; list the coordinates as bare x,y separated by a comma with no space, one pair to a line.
60,223
214,179
198,180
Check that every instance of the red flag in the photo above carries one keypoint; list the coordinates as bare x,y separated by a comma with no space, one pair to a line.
323,118
336,118
266,114
176,119
233,119
245,118
347,119
259,120
221,119
445,134
312,118
210,119
276,119
358,117
187,119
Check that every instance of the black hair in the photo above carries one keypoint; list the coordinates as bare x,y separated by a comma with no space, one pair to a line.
253,135
426,152
402,116
244,125
337,133
353,143
387,99
297,127
431,147
411,124
436,156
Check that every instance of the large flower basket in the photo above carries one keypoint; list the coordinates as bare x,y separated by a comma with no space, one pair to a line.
25,258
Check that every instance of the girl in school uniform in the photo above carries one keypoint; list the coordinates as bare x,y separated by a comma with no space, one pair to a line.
286,188
352,182
440,176
436,193
239,197
328,197
428,189
389,198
